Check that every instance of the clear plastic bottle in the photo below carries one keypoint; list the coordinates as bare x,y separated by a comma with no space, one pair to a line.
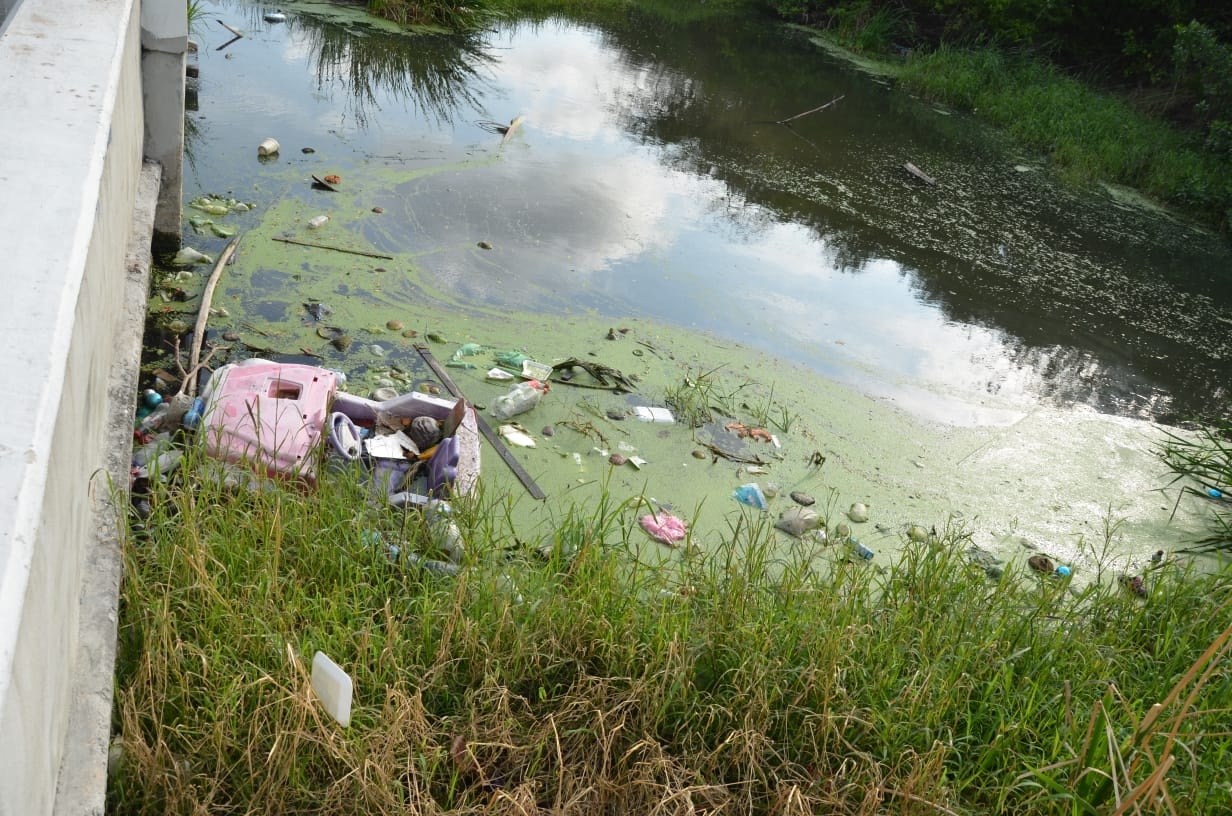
519,399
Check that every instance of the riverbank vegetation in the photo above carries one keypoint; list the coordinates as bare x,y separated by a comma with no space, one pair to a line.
1202,462
1140,98
569,675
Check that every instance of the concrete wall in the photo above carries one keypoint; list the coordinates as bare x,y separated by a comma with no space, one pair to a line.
71,147
164,40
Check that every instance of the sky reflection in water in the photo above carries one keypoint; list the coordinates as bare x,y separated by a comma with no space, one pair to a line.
647,182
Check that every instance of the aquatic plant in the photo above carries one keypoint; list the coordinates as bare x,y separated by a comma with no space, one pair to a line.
1202,462
196,13
442,14
693,396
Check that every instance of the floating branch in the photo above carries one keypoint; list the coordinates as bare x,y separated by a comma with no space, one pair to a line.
238,35
808,112
189,383
365,253
920,174
734,457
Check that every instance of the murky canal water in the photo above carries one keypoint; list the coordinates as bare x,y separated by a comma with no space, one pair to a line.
649,179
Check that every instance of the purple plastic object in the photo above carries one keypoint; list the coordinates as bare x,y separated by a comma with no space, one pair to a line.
388,475
344,436
443,467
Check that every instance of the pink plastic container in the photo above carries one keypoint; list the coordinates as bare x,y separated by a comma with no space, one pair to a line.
269,416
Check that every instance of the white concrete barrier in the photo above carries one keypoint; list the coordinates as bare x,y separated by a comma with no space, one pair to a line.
72,131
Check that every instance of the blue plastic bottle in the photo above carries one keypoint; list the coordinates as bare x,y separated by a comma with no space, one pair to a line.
192,417
859,549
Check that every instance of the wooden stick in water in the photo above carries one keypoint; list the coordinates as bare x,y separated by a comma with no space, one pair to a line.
807,112
366,254
189,386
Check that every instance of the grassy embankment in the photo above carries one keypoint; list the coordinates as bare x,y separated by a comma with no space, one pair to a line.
745,679
1089,136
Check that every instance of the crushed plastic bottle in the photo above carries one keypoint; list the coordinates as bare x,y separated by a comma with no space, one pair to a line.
192,417
519,399
448,536
859,549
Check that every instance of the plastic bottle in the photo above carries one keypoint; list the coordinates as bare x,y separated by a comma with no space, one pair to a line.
859,549
153,421
317,222
192,417
439,516
149,451
519,399
443,569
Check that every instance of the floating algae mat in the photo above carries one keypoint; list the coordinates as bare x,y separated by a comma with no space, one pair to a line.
571,244
1047,480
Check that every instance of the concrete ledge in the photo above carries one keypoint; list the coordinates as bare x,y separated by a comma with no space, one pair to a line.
70,157
82,785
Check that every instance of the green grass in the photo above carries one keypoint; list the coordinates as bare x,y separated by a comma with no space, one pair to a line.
702,396
568,675
1202,463
1088,136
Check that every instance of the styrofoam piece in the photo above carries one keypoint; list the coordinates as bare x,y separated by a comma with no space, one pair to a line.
532,370
648,414
334,687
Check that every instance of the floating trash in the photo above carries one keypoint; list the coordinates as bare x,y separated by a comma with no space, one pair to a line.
188,256
796,521
750,494
317,310
516,435
1041,563
664,528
